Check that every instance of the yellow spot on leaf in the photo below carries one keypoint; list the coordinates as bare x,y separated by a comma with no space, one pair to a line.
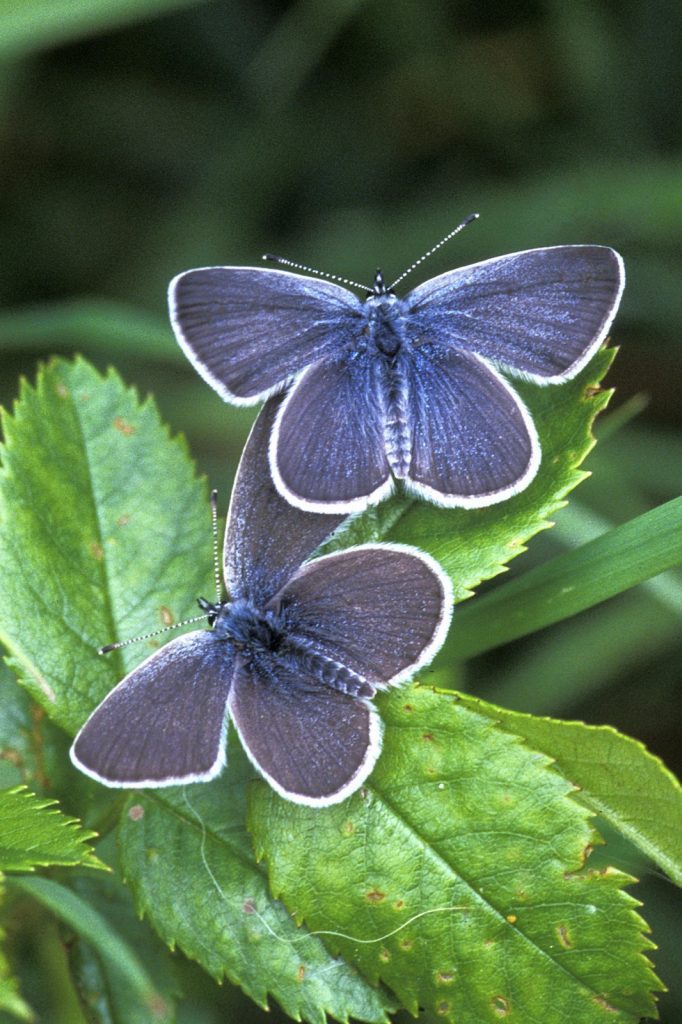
564,937
97,551
166,616
300,973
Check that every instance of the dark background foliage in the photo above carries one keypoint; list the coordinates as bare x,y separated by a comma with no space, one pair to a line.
349,135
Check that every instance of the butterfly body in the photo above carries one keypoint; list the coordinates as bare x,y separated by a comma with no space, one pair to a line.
394,387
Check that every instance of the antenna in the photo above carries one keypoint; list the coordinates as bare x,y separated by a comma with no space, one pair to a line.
311,270
216,551
209,608
467,220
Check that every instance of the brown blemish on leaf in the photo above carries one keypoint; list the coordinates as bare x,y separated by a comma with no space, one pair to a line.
11,756
249,907
348,828
97,551
136,812
123,520
427,737
407,708
300,973
158,1007
600,1001
399,904
563,937
166,615
591,390
445,977
500,1006
406,944
375,896
125,428
384,955
442,1008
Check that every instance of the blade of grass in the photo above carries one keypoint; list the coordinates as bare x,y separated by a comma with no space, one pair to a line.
608,565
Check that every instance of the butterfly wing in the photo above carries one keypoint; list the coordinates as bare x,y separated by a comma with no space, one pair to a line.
541,313
473,441
327,452
314,745
248,330
266,538
381,610
164,724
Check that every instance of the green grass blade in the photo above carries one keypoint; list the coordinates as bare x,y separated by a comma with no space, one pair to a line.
606,566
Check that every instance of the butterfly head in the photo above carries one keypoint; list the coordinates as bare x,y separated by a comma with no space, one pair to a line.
249,628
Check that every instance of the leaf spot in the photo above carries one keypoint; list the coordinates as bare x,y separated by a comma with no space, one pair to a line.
564,937
399,904
406,944
166,615
500,1006
158,1007
445,977
512,918
125,428
136,812
249,907
407,708
441,785
300,973
62,390
97,551
384,955
348,828
427,737
152,855
600,1001
123,520
375,896
442,1008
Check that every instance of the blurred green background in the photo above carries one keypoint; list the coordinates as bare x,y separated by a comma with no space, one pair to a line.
143,137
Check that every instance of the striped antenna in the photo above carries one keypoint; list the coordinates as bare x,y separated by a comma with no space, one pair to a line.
455,231
311,270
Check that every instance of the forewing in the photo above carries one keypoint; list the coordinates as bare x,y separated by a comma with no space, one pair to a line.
473,441
327,451
540,313
314,745
248,330
380,610
164,724
266,538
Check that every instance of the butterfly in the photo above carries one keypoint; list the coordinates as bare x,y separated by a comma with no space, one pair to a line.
387,388
292,657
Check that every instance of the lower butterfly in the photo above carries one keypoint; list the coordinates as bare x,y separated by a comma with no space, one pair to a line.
293,657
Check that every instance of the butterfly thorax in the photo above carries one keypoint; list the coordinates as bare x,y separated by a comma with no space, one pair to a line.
248,627
385,327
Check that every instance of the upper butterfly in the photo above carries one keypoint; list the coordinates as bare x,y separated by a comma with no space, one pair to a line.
400,388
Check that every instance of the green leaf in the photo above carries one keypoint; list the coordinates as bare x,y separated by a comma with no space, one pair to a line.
474,544
96,930
10,1000
104,535
620,559
35,833
30,25
616,775
458,877
188,858
102,528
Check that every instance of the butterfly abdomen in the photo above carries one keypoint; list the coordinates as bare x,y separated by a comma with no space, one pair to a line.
395,403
